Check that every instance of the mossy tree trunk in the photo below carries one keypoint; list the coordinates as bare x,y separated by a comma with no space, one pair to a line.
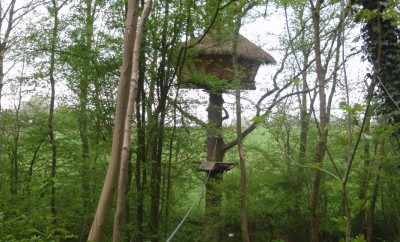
215,153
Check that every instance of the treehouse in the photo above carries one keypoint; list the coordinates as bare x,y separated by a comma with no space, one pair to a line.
209,64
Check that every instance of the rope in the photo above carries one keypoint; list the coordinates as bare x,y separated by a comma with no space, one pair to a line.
172,235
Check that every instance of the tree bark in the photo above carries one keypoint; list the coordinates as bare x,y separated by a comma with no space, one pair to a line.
15,146
119,218
83,120
83,111
323,129
141,155
365,177
155,181
4,40
52,139
243,176
244,226
1,76
215,153
97,229
370,213
163,86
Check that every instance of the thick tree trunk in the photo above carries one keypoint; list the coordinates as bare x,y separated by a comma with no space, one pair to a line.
215,152
97,229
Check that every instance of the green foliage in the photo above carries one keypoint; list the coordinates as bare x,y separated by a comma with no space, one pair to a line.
366,15
292,3
279,181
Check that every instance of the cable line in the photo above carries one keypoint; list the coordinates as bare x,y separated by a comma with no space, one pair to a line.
172,235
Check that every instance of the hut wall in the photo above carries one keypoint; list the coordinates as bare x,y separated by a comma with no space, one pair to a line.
218,67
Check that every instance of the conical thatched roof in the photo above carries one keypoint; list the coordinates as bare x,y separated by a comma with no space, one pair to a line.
245,49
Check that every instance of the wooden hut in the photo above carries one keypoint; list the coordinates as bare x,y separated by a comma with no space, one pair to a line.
209,64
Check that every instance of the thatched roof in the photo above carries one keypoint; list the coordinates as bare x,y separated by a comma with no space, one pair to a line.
245,49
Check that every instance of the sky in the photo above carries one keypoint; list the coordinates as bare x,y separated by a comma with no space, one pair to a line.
266,33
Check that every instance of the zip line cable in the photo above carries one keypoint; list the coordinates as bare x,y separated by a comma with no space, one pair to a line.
172,235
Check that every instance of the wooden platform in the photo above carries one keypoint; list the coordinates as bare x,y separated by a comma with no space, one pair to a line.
209,166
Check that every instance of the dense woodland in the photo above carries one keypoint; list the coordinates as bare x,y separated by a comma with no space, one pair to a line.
102,140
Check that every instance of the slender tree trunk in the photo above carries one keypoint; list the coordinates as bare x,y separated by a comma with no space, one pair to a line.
304,118
15,151
340,39
168,185
349,129
299,189
97,229
365,176
7,13
83,112
243,176
323,129
1,95
119,218
156,175
83,122
159,119
52,139
244,226
1,76
151,128
155,181
370,213
141,154
6,27
31,165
